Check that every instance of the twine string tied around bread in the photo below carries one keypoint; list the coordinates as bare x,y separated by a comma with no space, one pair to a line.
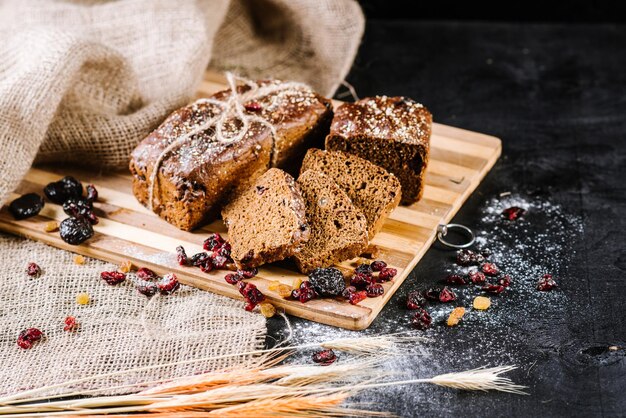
231,109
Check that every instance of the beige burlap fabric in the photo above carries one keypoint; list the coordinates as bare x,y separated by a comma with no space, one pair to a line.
83,82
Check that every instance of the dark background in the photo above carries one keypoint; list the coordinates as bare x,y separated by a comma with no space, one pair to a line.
549,79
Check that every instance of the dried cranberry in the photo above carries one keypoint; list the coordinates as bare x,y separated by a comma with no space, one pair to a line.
490,269
421,319
33,270
505,280
513,213
198,259
145,273
455,279
324,357
219,261
365,269
113,277
360,281
546,283
415,300
28,337
248,273
92,193
386,274
70,324
358,296
494,288
181,256
251,294
327,281
59,191
225,250
233,278
148,289
77,206
446,295
307,292
465,257
346,292
207,266
75,231
374,290
295,293
476,277
432,293
252,106
26,206
378,265
168,284
213,242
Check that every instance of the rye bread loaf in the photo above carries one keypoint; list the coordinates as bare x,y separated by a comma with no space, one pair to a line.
197,174
267,222
392,132
372,189
338,228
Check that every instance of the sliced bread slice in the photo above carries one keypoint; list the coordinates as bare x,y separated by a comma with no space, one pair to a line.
267,222
371,188
338,228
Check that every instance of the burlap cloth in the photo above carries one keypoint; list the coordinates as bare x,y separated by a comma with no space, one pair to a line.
83,82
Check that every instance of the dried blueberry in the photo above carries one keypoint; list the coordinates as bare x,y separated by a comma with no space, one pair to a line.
26,206
59,191
75,231
327,281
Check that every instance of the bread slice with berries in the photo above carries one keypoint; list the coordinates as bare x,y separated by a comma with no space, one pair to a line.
267,222
338,228
392,132
372,189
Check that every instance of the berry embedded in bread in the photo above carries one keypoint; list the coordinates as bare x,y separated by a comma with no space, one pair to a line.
392,132
372,189
267,222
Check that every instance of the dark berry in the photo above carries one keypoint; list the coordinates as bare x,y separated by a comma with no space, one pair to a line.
146,274
181,256
252,106
446,295
415,300
75,231
92,193
358,296
168,284
546,283
148,289
485,252
505,280
233,278
207,266
386,274
346,292
421,319
490,269
251,294
324,357
59,191
78,206
465,257
378,265
476,277
327,281
513,213
225,251
374,290
33,270
28,337
494,288
248,273
113,277
307,292
26,206
198,259
432,293
71,324
455,279
213,242
364,269
360,281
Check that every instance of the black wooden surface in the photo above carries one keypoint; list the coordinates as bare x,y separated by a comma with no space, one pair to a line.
556,95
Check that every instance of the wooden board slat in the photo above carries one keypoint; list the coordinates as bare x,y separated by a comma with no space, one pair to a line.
128,231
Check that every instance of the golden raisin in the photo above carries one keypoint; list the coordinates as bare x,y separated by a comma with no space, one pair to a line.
482,303
125,267
273,286
82,298
455,316
79,259
267,309
284,290
296,283
51,226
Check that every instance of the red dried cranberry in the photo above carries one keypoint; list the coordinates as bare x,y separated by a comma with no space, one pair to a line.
219,261
70,324
28,337
92,193
181,256
198,259
455,279
251,294
113,277
324,357
207,266
546,283
225,250
505,280
432,293
33,270
248,273
476,277
346,292
513,213
358,296
386,274
213,242
233,278
374,290
252,106
148,289
421,319
360,280
490,269
446,295
494,288
168,284
378,265
415,300
307,292
145,273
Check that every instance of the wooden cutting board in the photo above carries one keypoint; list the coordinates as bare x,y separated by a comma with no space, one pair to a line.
127,231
